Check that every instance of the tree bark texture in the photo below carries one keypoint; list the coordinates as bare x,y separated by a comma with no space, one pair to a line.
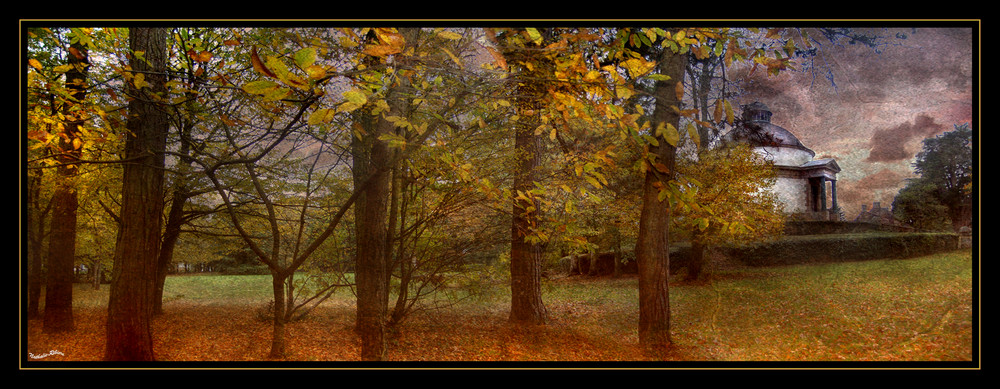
652,248
526,256
372,166
36,230
129,336
278,317
171,233
697,261
370,215
58,314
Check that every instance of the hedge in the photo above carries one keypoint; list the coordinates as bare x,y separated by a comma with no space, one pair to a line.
842,247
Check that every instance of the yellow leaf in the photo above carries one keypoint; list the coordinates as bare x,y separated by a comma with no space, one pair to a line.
669,133
139,81
356,96
35,64
638,67
449,35
305,58
729,113
354,99
315,72
453,57
552,135
623,92
534,35
321,116
693,133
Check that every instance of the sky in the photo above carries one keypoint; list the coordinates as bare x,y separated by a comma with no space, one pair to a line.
879,108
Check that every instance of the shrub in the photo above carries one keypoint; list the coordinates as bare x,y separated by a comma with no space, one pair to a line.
845,247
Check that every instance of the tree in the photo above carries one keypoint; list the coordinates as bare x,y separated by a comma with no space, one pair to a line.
191,50
62,240
37,211
916,205
530,67
294,124
371,172
67,130
946,162
941,196
412,93
732,201
652,249
129,336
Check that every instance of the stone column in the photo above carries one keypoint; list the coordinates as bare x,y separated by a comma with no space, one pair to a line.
822,194
833,192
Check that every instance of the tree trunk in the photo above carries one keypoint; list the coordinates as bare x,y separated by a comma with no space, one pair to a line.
278,317
36,232
96,269
129,337
697,259
526,255
617,237
175,217
373,158
370,231
405,264
58,315
171,233
653,244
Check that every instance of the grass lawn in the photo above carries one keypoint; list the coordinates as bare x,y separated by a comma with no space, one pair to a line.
918,309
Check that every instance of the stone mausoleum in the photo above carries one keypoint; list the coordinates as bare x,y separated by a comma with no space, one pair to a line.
807,187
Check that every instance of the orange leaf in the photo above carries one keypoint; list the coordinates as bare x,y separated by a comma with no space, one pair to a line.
76,53
500,61
259,65
203,56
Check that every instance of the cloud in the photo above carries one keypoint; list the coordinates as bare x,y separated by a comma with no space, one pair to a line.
890,144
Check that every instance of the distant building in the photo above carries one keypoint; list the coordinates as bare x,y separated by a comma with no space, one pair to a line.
807,187
876,214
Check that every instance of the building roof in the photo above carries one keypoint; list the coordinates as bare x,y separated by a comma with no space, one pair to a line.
757,129
825,162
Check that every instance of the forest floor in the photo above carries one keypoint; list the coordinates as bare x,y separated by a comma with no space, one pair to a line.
895,310
197,332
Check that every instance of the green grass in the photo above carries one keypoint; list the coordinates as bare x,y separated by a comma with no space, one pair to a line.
916,308
218,288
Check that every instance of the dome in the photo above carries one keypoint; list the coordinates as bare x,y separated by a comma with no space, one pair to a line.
757,129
